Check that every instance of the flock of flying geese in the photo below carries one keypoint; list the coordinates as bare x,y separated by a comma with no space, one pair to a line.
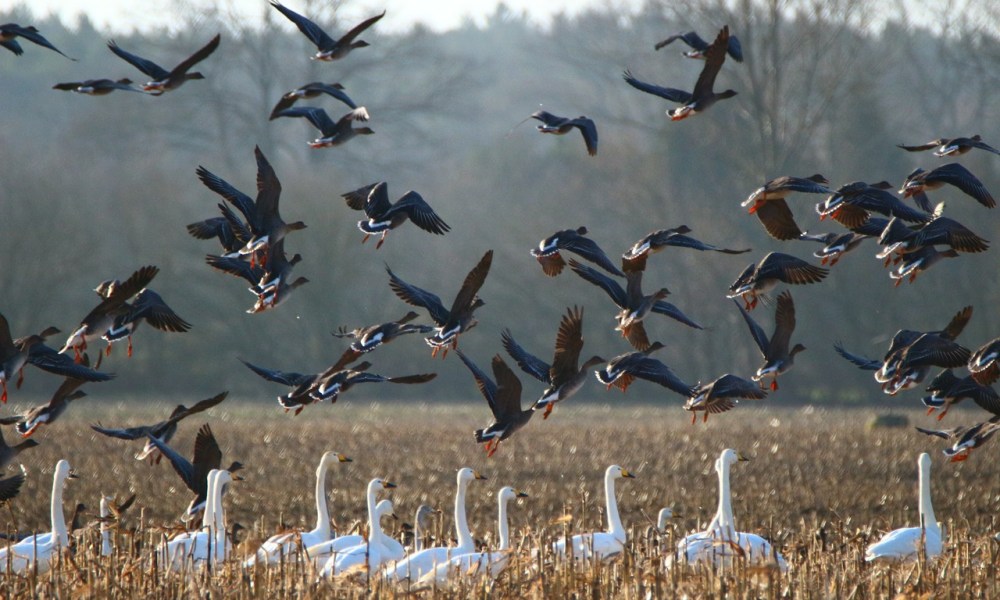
252,236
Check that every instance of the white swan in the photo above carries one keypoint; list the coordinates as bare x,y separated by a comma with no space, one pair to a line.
105,525
319,553
209,544
602,545
413,567
372,554
903,545
174,551
477,564
41,550
722,543
286,543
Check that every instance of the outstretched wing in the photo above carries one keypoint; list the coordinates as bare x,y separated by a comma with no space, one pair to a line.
283,377
148,67
311,30
529,363
486,385
203,53
421,213
415,296
672,94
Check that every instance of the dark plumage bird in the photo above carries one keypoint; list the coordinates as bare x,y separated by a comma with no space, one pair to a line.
768,203
10,487
952,147
887,370
947,389
9,32
912,354
450,322
504,398
194,472
703,97
851,205
634,259
8,453
329,48
314,90
162,79
148,306
699,46
778,357
46,414
275,284
965,439
383,215
919,181
623,369
635,306
370,337
562,125
758,279
329,384
15,354
563,377
264,219
114,305
163,431
916,262
721,395
983,362
571,240
334,134
835,245
97,87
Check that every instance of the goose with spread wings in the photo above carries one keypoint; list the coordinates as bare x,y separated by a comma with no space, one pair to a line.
562,125
9,32
699,47
703,96
952,146
162,79
450,322
334,134
548,253
328,48
634,259
778,356
504,398
314,90
384,215
370,337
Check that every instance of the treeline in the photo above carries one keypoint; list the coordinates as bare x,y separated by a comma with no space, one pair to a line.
93,188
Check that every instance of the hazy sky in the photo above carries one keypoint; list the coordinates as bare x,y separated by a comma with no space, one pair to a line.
439,15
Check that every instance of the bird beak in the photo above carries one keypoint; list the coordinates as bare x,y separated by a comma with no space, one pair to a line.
521,494
626,473
72,475
237,477
740,457
344,458
478,475
388,485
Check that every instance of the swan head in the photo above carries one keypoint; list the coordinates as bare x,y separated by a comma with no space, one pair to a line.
64,471
663,518
466,474
384,508
729,457
331,457
377,483
508,493
924,462
425,512
615,472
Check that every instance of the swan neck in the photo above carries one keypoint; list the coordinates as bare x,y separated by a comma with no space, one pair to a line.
615,527
322,512
372,517
927,518
725,513
504,526
57,516
105,529
208,514
461,524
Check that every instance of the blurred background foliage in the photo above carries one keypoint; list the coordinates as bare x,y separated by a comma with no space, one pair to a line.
93,188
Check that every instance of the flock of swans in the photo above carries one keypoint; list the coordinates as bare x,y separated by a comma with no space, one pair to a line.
374,554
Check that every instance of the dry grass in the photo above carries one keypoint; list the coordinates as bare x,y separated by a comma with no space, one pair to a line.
820,486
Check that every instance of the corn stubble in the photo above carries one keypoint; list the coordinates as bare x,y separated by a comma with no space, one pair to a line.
820,487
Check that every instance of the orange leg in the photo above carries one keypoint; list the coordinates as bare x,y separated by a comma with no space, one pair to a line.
382,241
835,260
365,239
494,447
434,351
931,410
299,409
943,413
130,346
888,260
774,384
20,377
107,351
548,410
753,303
704,418
3,398
913,277
825,258
694,417
898,281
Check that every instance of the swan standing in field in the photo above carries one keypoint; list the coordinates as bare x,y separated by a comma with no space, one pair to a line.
180,547
903,545
721,541
319,553
288,542
374,552
476,565
39,551
602,545
415,566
